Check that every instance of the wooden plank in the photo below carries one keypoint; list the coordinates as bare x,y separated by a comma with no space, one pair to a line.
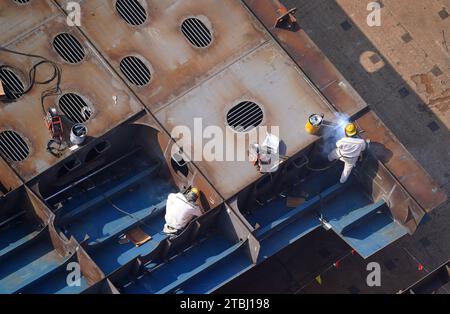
138,236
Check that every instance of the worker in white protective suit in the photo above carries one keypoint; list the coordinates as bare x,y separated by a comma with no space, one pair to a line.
180,210
348,149
265,157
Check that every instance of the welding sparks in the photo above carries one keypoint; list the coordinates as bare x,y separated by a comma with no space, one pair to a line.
332,132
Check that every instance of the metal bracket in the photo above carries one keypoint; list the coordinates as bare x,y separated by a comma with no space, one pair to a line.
325,224
286,19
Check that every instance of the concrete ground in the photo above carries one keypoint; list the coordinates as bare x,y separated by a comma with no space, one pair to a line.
402,70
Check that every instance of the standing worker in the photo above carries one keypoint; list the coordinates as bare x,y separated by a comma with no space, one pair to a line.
180,210
348,149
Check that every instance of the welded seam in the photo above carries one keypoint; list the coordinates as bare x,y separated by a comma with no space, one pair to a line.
225,67
23,35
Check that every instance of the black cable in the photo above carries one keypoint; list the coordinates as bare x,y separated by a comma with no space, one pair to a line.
322,169
21,53
56,75
52,91
308,161
57,152
139,220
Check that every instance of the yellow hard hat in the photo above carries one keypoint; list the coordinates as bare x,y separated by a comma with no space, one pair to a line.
350,129
196,192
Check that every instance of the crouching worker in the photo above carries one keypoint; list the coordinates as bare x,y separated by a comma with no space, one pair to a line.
181,208
348,149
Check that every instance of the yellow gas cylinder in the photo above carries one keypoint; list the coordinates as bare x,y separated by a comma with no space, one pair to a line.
314,122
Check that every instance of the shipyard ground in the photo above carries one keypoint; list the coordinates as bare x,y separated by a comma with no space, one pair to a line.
402,70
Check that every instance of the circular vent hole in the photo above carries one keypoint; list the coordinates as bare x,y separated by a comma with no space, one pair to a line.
75,108
13,146
13,86
245,116
69,48
196,32
21,1
131,11
135,70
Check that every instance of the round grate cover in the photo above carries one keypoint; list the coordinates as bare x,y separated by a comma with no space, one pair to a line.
69,48
245,116
135,70
12,146
131,11
13,86
75,108
196,32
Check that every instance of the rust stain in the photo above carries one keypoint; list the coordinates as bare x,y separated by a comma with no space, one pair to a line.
268,77
90,78
25,18
310,59
424,83
441,103
177,65
8,179
331,83
402,165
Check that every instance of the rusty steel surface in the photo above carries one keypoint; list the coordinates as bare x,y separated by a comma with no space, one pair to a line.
402,165
252,67
380,184
26,18
269,78
8,179
176,66
210,198
288,78
345,99
90,78
309,58
242,63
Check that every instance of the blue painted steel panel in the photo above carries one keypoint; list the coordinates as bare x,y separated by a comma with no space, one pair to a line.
112,255
28,264
288,235
56,283
181,267
293,214
13,242
377,233
365,226
225,270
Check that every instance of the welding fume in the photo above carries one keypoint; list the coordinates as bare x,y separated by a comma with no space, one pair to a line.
341,141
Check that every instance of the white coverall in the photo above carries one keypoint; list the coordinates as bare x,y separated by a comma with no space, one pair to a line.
348,150
179,212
